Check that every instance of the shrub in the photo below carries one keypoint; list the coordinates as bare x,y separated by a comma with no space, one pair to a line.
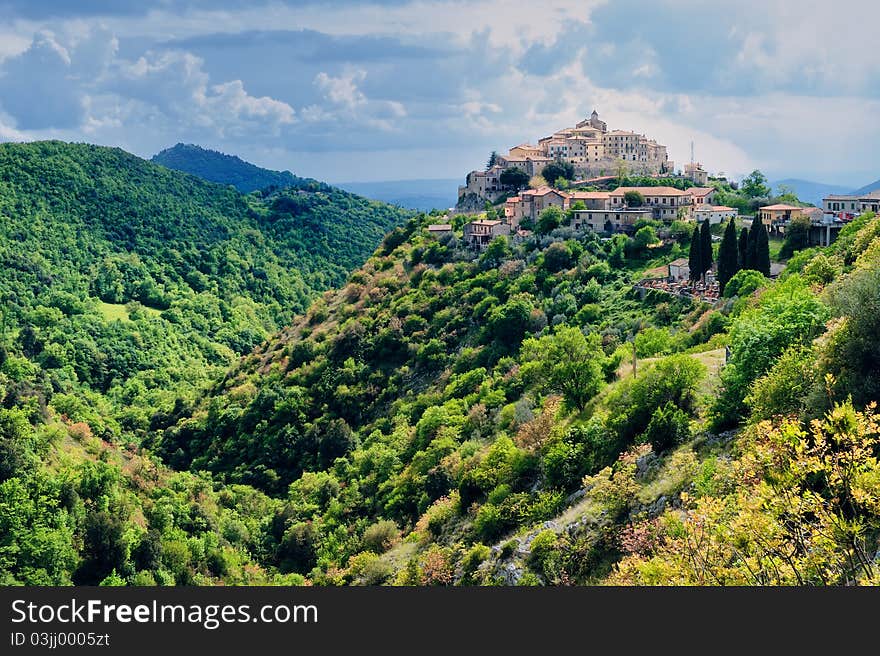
381,536
669,426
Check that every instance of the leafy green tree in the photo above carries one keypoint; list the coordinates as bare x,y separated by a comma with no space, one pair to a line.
557,170
797,236
673,379
787,315
633,198
728,256
567,362
493,159
549,219
744,282
508,323
852,355
514,177
557,257
755,185
496,252
644,237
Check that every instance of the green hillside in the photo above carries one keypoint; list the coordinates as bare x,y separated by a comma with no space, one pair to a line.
224,169
522,415
453,418
126,288
127,282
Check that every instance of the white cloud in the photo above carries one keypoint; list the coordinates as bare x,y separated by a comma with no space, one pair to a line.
342,90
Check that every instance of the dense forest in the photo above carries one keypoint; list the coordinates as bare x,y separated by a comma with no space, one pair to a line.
126,288
224,169
521,415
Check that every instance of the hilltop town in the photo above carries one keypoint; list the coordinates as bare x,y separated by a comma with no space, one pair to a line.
616,182
590,148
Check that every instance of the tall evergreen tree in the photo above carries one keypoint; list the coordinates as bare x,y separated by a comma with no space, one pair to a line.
728,256
762,250
695,257
751,257
705,248
493,158
743,247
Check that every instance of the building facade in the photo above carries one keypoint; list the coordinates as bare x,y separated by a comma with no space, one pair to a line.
478,234
715,214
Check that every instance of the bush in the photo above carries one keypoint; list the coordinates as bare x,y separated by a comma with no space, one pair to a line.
669,426
744,283
381,536
542,549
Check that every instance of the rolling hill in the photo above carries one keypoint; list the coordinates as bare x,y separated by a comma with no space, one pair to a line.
223,169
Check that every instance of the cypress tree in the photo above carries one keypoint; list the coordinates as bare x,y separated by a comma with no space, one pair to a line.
743,247
728,256
751,257
762,250
695,258
705,248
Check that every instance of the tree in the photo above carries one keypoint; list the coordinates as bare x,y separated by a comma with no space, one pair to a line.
514,177
567,362
633,198
508,323
706,258
557,257
754,185
728,256
549,219
493,159
644,237
762,249
695,256
742,247
556,170
797,236
751,252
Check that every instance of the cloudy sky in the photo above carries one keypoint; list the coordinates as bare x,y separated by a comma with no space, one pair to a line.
396,89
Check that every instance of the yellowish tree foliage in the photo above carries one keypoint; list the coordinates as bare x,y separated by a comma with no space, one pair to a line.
804,509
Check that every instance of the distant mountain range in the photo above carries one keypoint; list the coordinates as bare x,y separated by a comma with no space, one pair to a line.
814,192
874,186
218,167
423,195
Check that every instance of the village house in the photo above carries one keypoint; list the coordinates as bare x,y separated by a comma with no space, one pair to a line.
485,184
592,200
714,213
666,203
695,171
530,203
702,195
478,234
848,207
439,229
772,215
622,219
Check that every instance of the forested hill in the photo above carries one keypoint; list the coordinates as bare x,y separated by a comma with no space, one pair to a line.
455,417
120,274
224,169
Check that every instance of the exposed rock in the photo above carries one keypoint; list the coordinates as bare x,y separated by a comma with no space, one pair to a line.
470,203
